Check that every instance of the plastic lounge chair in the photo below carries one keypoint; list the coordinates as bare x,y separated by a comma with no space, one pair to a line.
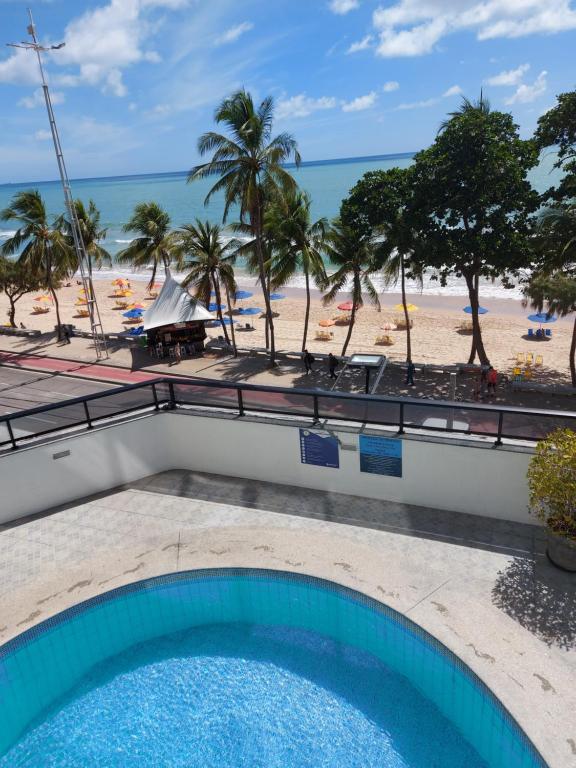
548,332
531,332
539,360
529,358
520,358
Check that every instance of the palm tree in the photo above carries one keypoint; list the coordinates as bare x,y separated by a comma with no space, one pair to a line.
91,234
45,250
297,244
155,243
355,261
209,265
249,163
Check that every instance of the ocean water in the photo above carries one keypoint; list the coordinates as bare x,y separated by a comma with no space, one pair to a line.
327,182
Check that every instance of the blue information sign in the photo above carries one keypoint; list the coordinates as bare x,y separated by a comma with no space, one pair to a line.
381,456
319,448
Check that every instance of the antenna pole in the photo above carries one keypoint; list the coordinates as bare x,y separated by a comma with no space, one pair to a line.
84,265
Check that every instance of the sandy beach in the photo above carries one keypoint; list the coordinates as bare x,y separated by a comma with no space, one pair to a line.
436,335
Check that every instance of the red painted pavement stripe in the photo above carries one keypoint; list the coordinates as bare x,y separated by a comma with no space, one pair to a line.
58,365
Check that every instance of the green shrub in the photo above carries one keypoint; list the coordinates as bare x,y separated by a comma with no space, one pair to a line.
552,482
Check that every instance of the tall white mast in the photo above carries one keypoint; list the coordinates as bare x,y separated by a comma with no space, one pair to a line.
83,260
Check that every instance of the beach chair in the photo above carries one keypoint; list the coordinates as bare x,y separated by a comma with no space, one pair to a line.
529,358
531,332
539,360
520,358
548,332
384,341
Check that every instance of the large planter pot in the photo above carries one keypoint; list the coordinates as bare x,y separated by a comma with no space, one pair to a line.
562,551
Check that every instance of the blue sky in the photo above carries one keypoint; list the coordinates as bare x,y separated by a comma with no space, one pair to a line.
138,80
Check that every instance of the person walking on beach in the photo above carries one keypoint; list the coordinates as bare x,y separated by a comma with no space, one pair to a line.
492,378
410,374
308,360
177,353
332,365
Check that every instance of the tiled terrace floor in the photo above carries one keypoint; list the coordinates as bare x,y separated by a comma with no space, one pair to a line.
482,587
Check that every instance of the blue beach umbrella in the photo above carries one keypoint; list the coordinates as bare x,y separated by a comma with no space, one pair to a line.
481,310
277,296
132,313
226,321
240,295
542,318
215,307
251,311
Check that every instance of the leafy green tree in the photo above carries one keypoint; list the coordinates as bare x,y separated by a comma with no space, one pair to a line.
16,280
209,265
557,128
552,482
380,205
155,244
473,203
92,234
355,263
44,249
297,244
249,163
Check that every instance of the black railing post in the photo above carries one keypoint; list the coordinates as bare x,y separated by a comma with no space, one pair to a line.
172,403
87,412
316,410
500,422
155,396
401,421
240,401
11,435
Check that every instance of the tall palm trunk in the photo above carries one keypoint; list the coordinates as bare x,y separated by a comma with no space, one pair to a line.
256,220
472,283
573,355
355,293
406,314
216,285
307,314
234,349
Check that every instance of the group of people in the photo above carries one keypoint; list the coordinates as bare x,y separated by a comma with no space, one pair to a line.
332,362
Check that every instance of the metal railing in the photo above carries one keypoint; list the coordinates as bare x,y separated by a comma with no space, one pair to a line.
497,422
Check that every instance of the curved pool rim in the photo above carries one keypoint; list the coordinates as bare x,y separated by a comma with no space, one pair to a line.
346,593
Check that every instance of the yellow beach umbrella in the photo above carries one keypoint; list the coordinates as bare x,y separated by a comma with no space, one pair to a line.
44,297
409,307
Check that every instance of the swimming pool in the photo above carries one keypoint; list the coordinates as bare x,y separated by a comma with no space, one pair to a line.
241,667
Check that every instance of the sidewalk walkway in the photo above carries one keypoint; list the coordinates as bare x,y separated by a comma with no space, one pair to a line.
98,371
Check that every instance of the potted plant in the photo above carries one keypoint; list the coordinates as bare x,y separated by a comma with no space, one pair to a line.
552,484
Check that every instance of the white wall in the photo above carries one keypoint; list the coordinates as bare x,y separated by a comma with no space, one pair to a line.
468,478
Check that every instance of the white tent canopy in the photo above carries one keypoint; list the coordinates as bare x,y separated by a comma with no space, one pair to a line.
174,305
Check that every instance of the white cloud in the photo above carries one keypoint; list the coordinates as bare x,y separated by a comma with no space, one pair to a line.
509,77
360,103
20,68
414,27
302,106
524,94
232,34
342,7
391,85
42,135
361,45
454,90
37,99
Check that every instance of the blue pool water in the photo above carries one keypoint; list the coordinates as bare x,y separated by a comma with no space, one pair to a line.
242,669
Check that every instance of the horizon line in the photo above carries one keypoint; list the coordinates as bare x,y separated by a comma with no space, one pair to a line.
303,164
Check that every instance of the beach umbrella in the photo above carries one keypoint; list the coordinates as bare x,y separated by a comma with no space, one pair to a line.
136,306
481,310
276,296
81,302
119,281
215,307
226,321
44,297
132,313
251,311
124,293
240,295
326,323
542,318
409,307
347,306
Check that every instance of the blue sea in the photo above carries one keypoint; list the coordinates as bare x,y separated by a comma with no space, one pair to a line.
327,182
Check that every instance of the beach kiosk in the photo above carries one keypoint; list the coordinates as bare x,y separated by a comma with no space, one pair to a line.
176,317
